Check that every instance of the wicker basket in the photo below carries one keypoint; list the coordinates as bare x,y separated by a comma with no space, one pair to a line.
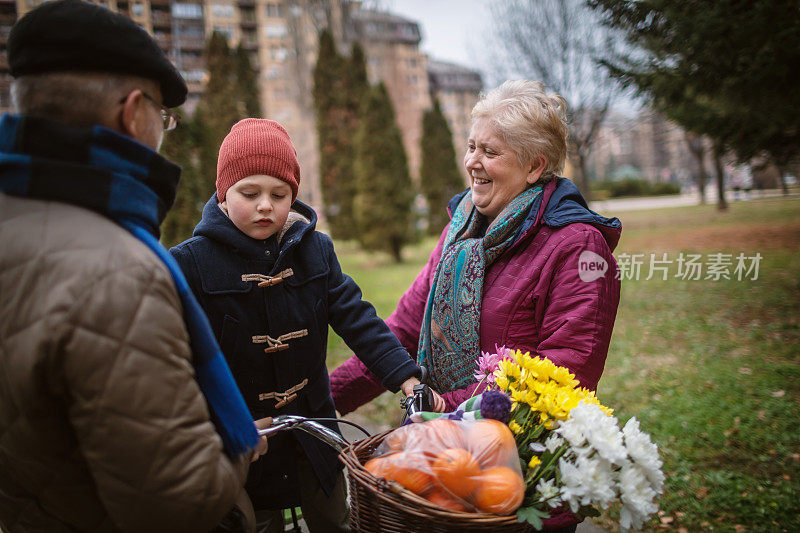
379,506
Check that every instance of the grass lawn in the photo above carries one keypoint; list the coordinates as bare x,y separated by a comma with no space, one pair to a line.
710,367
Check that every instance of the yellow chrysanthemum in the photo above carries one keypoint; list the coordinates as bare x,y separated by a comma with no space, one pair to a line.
534,462
516,428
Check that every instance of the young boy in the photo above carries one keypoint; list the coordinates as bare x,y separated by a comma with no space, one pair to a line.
270,285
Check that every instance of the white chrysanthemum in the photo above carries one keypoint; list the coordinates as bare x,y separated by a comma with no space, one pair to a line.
549,492
553,443
573,490
638,497
644,453
587,481
603,434
572,430
599,478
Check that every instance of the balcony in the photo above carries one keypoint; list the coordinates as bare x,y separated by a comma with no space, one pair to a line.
161,19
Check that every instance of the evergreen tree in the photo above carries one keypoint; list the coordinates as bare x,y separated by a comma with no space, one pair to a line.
179,147
230,95
335,137
247,81
218,109
440,178
385,192
719,69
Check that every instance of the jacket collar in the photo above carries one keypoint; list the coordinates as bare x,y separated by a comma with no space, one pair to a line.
561,204
216,226
95,168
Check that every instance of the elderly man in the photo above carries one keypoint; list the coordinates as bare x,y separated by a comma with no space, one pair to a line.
117,411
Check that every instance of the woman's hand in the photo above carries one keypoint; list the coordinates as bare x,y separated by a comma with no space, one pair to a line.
261,446
438,402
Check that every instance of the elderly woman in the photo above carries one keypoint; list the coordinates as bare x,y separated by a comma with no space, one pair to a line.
523,263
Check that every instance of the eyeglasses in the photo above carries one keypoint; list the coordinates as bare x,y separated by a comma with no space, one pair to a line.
170,118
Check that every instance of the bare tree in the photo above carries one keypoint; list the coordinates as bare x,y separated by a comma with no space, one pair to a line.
559,42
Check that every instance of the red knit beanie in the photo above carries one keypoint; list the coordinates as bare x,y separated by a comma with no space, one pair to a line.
257,146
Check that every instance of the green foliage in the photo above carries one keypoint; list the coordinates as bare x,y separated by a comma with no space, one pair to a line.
179,147
247,84
635,187
339,86
440,179
231,94
385,192
718,68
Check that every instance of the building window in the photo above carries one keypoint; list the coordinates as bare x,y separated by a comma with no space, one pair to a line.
222,10
274,10
187,11
278,53
273,72
275,30
227,31
137,9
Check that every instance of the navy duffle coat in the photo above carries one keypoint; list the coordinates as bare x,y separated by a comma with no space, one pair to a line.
224,267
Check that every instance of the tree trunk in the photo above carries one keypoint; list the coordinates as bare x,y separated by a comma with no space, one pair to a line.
722,204
698,151
396,246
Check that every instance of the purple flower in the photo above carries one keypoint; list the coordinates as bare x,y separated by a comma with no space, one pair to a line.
496,405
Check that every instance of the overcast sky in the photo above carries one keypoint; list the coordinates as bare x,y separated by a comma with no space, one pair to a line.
451,29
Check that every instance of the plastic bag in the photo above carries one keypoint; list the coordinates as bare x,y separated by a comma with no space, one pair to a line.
467,465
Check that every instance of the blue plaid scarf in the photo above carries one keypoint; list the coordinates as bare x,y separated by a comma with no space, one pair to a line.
132,185
449,343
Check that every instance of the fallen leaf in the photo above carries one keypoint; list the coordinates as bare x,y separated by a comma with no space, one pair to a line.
739,528
680,514
745,370
773,453
683,530
762,415
778,393
701,493
667,519
795,456
705,524
787,477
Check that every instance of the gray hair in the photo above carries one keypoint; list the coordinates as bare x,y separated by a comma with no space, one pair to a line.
76,98
530,120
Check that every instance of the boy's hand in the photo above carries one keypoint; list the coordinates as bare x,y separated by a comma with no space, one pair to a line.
408,386
408,389
261,446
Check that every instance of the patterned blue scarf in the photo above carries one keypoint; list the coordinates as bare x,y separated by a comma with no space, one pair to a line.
449,343
132,185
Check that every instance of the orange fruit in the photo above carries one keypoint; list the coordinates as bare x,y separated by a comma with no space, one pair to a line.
410,469
442,433
492,443
500,490
374,466
457,470
442,498
397,439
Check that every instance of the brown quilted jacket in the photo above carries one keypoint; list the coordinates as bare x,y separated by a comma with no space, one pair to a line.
102,426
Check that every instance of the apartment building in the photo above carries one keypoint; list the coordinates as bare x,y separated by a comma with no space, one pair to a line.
457,89
282,37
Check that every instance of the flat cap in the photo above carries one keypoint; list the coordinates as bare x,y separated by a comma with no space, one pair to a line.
73,35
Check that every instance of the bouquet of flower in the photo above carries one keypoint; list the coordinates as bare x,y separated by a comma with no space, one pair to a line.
572,450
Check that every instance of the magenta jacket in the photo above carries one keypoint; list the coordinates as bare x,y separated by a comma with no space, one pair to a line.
538,296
